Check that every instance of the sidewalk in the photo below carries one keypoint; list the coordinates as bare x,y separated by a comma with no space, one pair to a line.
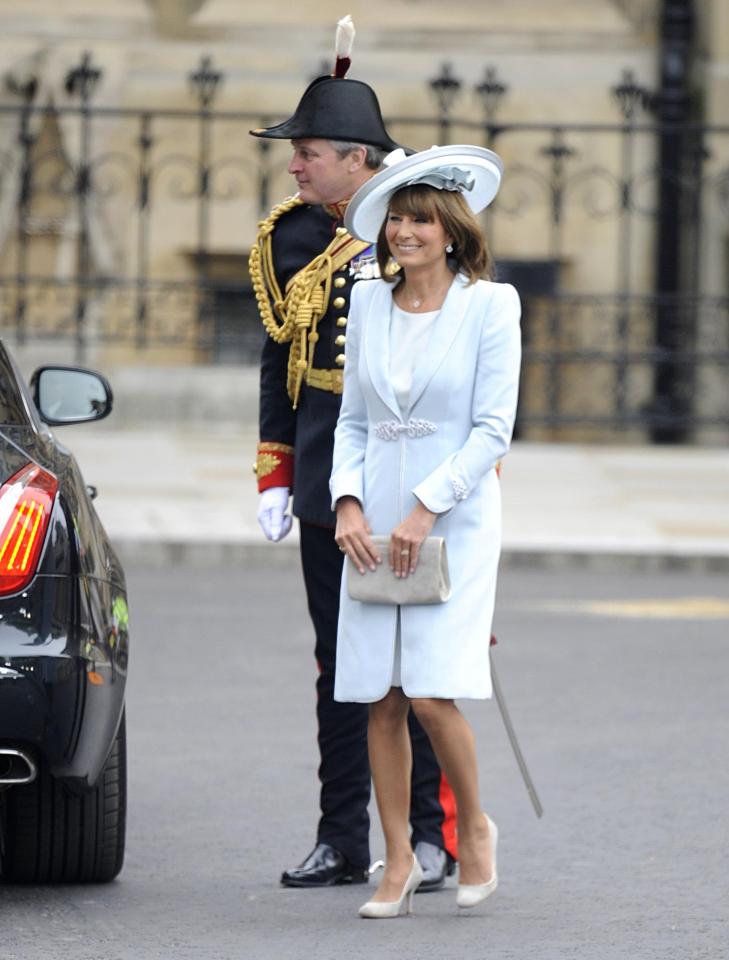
169,494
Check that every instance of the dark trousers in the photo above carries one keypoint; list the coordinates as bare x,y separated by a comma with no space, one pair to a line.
344,770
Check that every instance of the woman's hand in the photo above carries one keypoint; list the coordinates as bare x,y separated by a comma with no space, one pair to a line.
405,540
353,534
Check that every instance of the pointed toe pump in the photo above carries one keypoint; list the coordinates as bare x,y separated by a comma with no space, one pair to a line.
387,910
471,894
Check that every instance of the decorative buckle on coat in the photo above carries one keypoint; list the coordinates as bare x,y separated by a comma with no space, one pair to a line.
414,428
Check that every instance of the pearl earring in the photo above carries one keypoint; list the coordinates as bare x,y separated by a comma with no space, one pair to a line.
449,248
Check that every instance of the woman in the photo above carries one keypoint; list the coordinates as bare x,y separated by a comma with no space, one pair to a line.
430,392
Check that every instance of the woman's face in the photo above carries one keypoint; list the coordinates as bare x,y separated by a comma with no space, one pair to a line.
415,241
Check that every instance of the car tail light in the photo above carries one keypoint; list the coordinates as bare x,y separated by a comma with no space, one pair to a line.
26,503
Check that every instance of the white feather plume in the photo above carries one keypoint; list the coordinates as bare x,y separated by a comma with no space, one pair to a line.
344,39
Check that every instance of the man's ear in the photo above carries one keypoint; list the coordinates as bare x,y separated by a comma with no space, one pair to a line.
357,159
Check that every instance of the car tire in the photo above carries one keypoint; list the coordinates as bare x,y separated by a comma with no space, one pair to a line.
55,835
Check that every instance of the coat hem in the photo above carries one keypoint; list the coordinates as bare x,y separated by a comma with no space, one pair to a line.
417,696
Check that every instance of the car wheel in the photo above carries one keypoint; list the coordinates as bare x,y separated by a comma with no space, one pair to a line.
53,834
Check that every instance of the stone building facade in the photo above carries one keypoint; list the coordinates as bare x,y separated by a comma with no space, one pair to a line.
558,226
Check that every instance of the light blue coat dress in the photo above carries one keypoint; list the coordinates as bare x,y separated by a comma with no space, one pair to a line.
442,451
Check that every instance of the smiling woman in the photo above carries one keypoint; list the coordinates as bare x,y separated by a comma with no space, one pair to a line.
437,348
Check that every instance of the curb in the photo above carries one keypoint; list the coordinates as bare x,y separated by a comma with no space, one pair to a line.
161,553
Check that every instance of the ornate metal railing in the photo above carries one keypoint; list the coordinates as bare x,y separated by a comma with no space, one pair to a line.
132,227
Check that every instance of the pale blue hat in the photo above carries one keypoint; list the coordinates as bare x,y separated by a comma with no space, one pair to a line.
475,172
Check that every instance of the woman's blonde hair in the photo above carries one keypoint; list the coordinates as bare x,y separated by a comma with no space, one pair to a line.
470,251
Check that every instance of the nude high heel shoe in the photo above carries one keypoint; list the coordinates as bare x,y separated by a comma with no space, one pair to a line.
386,910
470,894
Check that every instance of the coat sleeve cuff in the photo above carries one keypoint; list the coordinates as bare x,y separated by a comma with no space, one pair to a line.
443,488
346,484
274,465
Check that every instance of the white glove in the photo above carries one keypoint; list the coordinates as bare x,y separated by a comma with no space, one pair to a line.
272,516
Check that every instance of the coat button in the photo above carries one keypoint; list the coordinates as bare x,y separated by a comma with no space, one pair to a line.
341,231
338,303
339,359
339,282
341,321
340,340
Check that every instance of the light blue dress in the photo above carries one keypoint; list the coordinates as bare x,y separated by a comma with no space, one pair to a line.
409,334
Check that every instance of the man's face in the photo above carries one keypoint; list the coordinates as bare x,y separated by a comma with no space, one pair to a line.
322,175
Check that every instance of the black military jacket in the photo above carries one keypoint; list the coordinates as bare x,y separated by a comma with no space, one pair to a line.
300,235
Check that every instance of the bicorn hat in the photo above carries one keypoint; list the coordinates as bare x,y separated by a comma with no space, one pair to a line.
474,172
333,108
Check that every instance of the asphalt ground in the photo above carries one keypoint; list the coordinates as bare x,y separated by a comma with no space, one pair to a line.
616,683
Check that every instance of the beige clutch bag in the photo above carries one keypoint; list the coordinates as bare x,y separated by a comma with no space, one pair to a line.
429,584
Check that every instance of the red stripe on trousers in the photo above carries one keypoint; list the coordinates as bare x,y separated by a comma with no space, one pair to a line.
448,803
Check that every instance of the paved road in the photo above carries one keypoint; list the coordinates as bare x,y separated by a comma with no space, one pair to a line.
617,685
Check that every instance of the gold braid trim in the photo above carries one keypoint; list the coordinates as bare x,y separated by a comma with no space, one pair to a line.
269,446
263,276
307,294
306,302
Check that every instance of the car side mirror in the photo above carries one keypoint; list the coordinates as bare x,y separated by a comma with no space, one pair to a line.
70,395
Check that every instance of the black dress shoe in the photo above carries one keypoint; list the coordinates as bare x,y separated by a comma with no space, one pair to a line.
436,865
324,867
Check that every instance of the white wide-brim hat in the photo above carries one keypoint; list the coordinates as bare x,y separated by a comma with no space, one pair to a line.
475,172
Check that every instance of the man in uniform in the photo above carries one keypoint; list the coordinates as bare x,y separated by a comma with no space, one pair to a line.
303,267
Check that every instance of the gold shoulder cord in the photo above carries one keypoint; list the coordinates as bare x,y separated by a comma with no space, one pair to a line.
305,302
263,277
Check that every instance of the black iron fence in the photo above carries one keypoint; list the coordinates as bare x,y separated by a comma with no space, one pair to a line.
132,227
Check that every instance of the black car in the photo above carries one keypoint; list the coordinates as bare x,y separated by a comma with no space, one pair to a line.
63,642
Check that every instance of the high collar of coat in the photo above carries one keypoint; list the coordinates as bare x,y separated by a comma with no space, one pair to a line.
336,210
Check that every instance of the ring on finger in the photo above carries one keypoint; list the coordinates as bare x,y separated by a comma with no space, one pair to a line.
404,553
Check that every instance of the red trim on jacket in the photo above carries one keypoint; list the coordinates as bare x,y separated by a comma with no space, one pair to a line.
448,803
274,465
